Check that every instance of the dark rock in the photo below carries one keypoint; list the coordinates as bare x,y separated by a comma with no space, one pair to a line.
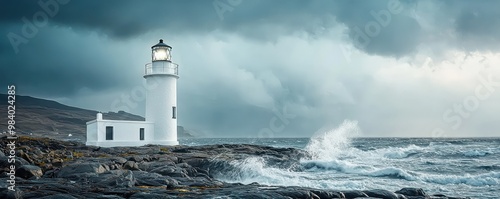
380,193
28,171
297,193
5,193
49,174
401,196
106,167
173,159
18,162
57,162
182,150
115,179
59,196
144,195
412,192
148,166
328,194
25,156
140,158
107,197
354,194
118,160
190,171
154,179
80,168
131,165
171,171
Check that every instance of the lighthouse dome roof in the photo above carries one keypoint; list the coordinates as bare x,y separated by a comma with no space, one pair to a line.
161,44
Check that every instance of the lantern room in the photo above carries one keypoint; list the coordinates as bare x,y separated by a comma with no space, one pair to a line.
161,52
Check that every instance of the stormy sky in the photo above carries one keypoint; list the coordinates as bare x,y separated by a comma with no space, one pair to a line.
259,68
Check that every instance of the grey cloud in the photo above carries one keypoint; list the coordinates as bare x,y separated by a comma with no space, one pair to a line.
53,65
478,26
57,63
476,21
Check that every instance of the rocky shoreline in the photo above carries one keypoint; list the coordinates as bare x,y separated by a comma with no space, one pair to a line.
52,169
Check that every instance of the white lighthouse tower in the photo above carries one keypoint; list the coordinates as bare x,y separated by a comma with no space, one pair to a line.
160,126
161,99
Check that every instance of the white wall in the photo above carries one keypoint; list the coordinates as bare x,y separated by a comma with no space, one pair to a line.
159,102
92,131
125,133
159,128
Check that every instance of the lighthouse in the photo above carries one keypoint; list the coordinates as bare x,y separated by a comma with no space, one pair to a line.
160,125
161,99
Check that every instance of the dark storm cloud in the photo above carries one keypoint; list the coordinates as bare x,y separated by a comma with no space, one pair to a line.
478,24
268,19
55,66
78,48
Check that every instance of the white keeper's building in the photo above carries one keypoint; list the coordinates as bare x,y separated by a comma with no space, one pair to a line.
160,126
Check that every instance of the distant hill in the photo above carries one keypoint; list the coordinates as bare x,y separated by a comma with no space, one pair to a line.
47,118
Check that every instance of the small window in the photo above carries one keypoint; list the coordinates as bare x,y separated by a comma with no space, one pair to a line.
141,133
174,112
109,133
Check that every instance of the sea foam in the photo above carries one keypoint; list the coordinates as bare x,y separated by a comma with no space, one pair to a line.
334,163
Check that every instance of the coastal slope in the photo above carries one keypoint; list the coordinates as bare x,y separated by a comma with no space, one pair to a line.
46,118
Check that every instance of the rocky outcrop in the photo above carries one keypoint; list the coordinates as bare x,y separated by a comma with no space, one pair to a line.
29,171
56,169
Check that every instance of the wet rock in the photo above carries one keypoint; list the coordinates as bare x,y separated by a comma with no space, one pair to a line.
25,156
49,174
58,162
80,168
354,194
107,197
119,160
8,194
173,159
154,179
140,158
442,196
29,171
297,193
115,178
59,196
328,194
170,171
412,192
131,165
106,167
380,193
401,196
145,195
18,162
190,171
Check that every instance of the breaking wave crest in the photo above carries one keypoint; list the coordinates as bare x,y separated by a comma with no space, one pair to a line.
327,144
333,160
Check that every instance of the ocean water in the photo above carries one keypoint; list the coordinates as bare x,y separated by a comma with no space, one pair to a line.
451,166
